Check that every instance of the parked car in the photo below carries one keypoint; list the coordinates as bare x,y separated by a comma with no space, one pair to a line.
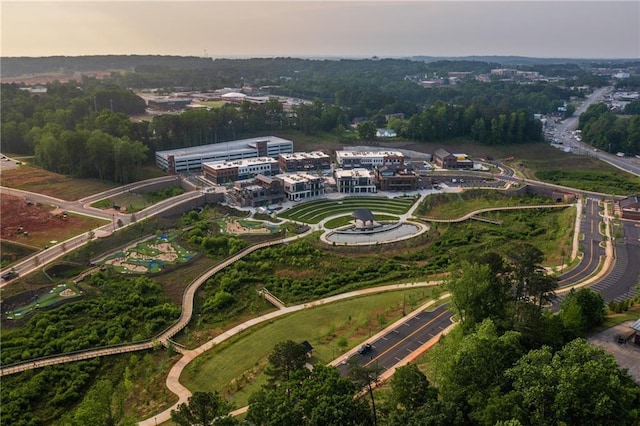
364,349
9,275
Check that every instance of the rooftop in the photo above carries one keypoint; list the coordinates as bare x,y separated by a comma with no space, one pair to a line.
222,146
357,154
216,165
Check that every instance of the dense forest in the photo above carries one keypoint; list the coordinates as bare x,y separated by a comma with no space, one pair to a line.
82,128
493,368
81,131
509,362
612,132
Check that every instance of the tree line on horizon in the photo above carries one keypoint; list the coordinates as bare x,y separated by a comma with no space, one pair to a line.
83,128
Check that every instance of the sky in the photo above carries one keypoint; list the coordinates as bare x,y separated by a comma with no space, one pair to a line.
334,28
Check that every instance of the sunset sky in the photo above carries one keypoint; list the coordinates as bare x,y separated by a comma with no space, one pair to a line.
560,28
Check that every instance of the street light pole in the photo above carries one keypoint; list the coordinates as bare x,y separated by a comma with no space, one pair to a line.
404,302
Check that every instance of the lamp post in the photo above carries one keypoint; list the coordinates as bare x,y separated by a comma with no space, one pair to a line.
404,302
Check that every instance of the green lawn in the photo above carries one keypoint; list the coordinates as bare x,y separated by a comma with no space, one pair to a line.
583,173
613,319
550,230
348,219
234,368
46,300
315,211
128,202
453,206
212,104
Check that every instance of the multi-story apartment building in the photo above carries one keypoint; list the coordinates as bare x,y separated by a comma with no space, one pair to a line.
304,161
262,191
354,181
368,159
231,171
300,186
394,178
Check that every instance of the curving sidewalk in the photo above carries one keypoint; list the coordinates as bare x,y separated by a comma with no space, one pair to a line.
491,209
164,337
173,378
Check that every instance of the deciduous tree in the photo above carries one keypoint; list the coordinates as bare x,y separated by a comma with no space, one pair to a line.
204,409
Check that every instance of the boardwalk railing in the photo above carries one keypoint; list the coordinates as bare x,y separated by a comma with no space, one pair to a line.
163,338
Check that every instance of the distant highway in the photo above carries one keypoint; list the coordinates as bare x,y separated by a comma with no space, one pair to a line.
566,126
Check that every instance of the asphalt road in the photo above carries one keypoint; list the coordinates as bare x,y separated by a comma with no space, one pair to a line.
621,282
392,347
37,260
566,126
592,251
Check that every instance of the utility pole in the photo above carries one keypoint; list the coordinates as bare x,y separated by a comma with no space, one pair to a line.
404,302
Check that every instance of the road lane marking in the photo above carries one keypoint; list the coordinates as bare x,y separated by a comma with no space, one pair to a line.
425,325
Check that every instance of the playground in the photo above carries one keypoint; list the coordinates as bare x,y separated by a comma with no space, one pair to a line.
57,294
243,226
150,256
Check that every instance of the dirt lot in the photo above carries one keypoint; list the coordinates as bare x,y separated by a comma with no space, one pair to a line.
42,223
34,179
627,354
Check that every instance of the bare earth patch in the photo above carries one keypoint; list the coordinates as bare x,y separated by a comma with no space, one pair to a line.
67,293
42,223
234,227
34,179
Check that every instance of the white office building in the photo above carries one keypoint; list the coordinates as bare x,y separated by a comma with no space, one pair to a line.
192,159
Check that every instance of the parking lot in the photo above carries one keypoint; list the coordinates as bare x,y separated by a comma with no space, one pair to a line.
627,354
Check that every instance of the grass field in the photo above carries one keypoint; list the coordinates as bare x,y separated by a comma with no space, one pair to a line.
453,206
315,211
35,179
12,252
613,319
234,367
347,219
212,104
128,202
580,172
56,295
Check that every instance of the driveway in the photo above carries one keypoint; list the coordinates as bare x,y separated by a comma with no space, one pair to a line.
627,354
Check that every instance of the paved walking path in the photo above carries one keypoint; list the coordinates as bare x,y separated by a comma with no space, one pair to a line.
173,379
173,382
